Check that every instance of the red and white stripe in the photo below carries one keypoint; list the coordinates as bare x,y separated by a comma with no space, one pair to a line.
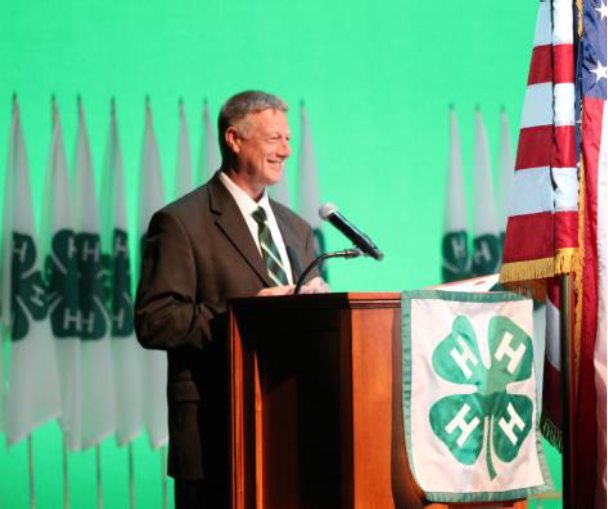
542,212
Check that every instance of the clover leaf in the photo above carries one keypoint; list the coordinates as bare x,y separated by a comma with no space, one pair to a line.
121,302
77,274
28,297
459,421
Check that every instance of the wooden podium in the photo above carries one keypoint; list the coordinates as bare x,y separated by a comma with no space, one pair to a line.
315,398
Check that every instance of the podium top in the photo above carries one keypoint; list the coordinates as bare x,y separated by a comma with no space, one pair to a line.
348,300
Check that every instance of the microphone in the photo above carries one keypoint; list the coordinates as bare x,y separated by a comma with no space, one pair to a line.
329,212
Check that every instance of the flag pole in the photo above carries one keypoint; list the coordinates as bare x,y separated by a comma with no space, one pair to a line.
131,477
163,468
99,489
66,486
565,296
30,454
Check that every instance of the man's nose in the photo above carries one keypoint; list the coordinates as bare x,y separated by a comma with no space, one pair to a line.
285,149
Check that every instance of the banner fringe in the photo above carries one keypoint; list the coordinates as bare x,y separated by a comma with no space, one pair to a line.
578,280
567,260
551,432
533,269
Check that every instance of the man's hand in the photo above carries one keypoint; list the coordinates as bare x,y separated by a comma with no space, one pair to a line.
316,285
276,290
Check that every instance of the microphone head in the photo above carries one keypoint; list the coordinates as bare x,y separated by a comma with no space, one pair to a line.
327,210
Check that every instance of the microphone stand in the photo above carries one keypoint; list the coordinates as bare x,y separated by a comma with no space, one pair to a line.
345,253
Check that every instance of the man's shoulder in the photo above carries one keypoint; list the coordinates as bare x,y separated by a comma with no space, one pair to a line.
192,204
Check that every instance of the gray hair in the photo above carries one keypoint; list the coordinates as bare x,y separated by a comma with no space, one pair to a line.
239,106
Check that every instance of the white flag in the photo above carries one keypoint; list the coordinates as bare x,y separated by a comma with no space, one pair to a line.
208,154
280,191
507,169
98,410
486,256
126,351
59,245
455,243
308,186
183,169
154,365
33,396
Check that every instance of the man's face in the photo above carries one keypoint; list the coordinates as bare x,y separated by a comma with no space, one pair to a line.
263,147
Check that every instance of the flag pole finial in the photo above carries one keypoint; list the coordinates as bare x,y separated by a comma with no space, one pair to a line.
113,105
180,101
451,106
205,101
302,104
147,102
477,108
502,108
79,99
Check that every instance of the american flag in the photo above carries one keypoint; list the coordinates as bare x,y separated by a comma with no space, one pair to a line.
557,218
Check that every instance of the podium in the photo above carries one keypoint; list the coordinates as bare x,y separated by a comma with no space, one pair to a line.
315,404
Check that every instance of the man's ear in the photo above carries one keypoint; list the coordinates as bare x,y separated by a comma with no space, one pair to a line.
231,136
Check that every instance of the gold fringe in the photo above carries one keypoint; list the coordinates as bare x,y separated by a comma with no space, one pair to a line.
523,271
551,432
566,260
534,289
578,278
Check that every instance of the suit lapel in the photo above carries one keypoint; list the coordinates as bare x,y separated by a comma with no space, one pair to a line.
229,219
291,240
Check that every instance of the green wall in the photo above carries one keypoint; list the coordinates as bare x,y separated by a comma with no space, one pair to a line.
377,78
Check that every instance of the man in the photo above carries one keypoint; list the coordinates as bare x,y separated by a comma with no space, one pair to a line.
225,239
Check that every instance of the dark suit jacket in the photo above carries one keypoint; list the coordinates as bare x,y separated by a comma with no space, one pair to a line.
199,253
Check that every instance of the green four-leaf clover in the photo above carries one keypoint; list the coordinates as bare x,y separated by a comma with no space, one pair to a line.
121,302
28,298
459,421
77,274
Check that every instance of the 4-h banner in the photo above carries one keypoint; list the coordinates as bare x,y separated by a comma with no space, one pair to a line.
455,244
183,167
308,188
60,250
469,396
33,380
486,256
208,151
126,352
97,391
154,363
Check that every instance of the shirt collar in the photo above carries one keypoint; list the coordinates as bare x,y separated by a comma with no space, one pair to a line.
246,204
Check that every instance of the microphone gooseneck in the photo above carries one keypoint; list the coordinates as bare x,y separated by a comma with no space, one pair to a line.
345,253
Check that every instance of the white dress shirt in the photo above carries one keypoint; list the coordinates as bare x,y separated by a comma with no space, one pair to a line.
248,206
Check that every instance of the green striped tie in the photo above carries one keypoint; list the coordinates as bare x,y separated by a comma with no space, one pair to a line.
276,271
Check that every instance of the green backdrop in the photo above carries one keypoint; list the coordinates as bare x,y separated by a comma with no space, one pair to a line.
377,78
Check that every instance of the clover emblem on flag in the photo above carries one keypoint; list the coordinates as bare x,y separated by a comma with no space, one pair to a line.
121,302
78,290
485,410
28,297
93,273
